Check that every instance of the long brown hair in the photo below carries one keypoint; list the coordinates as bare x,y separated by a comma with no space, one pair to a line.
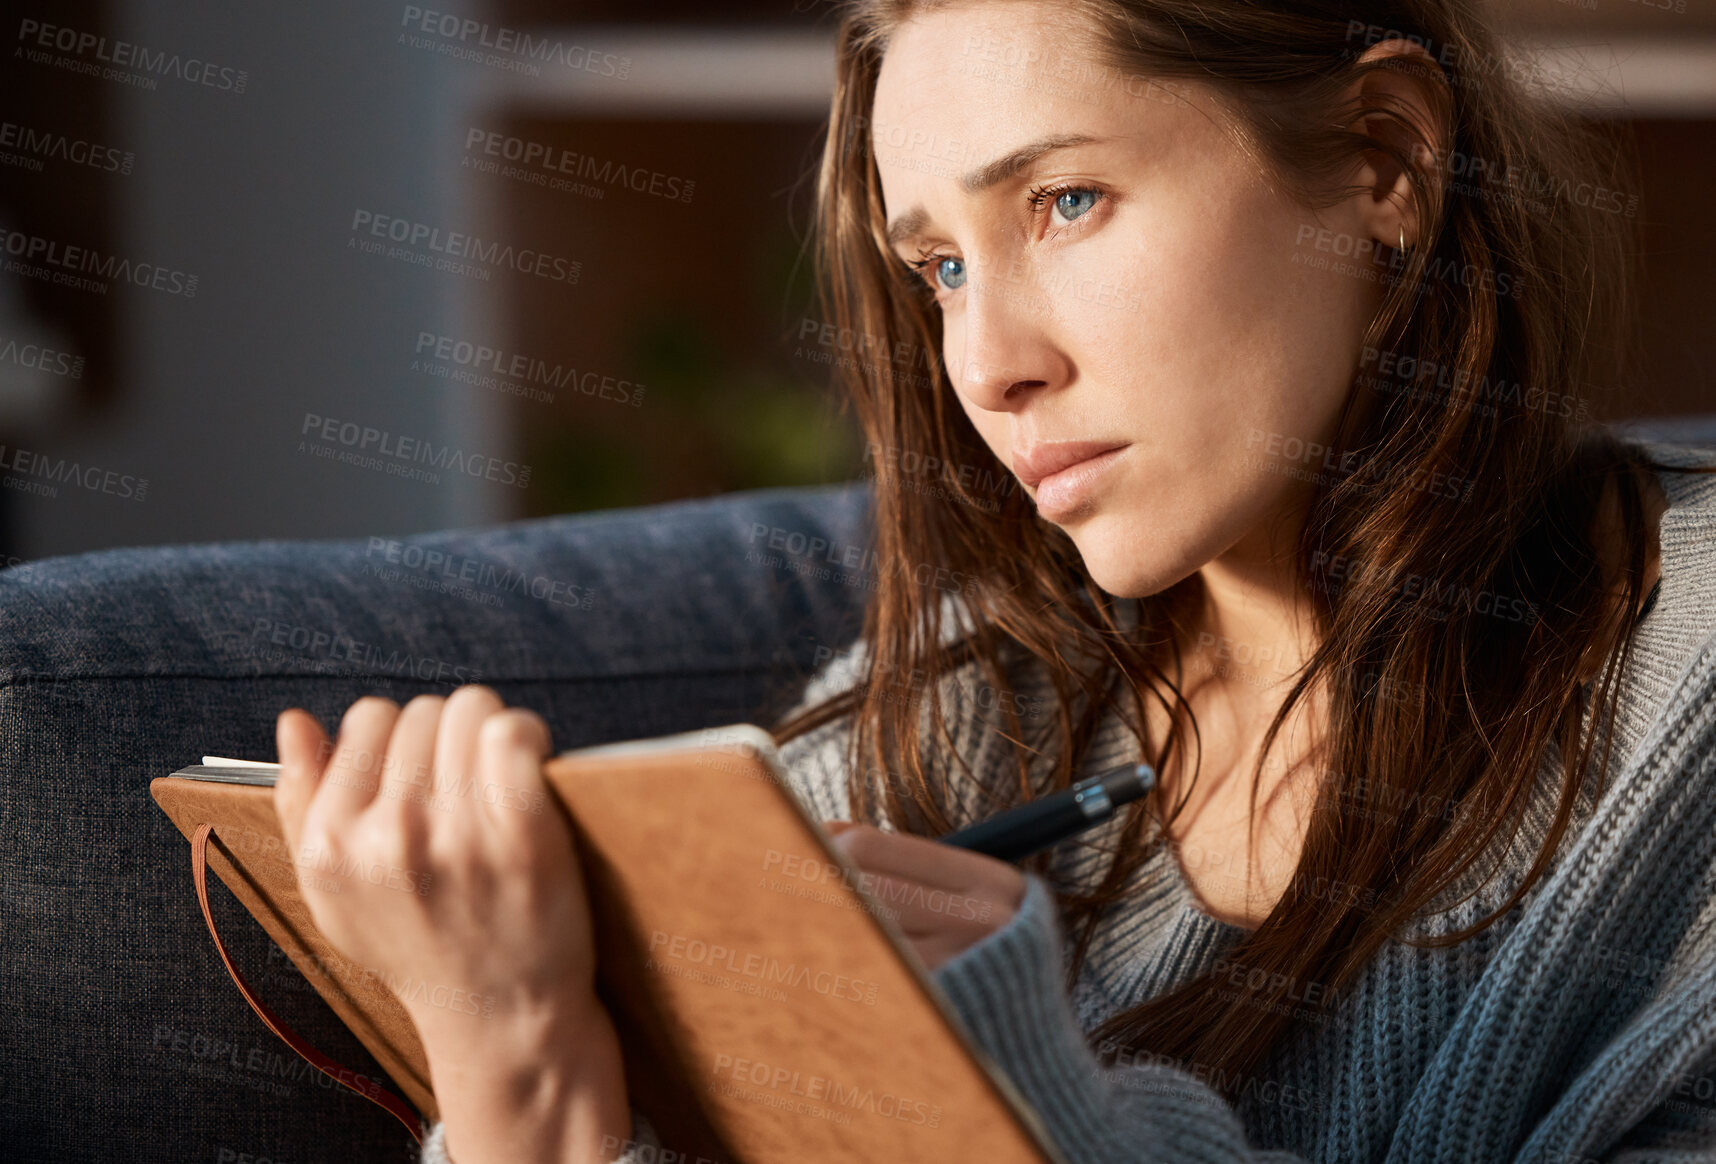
1513,292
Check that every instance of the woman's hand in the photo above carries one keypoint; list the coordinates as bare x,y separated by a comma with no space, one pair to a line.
430,852
945,898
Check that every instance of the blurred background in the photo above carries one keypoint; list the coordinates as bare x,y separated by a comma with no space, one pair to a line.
251,257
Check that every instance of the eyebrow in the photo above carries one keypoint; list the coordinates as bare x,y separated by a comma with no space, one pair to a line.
910,223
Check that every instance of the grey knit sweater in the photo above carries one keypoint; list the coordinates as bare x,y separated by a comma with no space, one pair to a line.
1580,1027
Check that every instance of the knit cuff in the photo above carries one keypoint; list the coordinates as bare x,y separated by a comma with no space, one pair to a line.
643,1148
1007,990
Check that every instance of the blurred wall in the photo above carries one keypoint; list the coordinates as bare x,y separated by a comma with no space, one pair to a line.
246,178
393,329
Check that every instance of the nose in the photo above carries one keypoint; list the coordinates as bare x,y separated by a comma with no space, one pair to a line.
1008,356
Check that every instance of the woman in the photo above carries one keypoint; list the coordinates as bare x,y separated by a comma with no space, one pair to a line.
1274,325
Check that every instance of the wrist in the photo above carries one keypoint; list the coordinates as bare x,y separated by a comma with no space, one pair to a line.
527,1088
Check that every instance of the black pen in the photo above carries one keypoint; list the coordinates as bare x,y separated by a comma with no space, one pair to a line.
1021,831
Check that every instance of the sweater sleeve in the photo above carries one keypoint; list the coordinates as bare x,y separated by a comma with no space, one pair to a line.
645,1147
1006,989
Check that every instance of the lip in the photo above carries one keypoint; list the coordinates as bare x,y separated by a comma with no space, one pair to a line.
1074,467
1044,460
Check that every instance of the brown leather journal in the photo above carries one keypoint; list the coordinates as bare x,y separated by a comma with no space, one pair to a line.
769,1008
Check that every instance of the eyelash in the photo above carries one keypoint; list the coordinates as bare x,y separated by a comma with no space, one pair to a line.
1035,199
1041,194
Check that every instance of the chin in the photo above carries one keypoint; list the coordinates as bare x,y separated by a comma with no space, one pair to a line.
1111,556
1128,585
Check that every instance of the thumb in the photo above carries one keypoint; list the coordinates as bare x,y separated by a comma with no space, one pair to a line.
302,746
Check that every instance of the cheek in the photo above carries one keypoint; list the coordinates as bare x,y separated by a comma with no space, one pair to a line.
1097,294
1225,329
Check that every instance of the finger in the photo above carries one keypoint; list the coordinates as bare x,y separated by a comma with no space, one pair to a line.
922,910
407,771
511,746
914,858
302,746
353,772
906,902
456,746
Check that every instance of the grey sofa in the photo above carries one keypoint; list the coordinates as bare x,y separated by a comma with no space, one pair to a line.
124,1038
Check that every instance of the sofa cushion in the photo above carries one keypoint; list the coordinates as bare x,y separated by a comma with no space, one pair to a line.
124,1037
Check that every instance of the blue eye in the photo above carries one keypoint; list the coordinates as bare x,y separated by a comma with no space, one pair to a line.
949,271
1069,202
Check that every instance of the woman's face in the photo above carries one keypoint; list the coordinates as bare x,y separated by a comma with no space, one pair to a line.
1162,298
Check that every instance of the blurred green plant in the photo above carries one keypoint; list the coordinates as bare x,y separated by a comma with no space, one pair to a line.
708,424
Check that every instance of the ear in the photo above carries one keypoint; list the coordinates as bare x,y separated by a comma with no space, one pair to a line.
1404,104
